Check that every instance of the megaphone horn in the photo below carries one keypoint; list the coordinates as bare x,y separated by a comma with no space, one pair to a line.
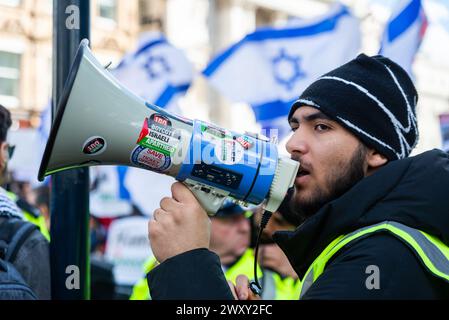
100,122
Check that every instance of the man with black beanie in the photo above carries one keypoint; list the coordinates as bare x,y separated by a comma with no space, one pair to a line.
373,222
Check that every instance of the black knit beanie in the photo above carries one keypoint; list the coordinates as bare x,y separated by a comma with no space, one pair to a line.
374,98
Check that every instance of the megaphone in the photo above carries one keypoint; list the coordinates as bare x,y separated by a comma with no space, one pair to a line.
100,122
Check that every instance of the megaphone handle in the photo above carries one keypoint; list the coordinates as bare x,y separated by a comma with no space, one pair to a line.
211,201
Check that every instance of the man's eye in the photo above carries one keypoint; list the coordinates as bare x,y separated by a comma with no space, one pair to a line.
294,129
321,127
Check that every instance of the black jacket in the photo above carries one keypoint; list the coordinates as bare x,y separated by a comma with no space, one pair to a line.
413,191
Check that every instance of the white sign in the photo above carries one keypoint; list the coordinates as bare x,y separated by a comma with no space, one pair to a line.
128,248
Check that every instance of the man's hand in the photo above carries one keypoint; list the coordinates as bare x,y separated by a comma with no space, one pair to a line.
179,225
241,290
272,257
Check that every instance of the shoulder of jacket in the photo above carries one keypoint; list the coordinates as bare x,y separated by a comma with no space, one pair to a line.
383,247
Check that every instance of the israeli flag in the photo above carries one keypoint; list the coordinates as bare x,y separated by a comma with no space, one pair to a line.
156,71
270,67
404,33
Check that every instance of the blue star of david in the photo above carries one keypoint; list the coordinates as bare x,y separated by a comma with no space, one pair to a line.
292,63
156,66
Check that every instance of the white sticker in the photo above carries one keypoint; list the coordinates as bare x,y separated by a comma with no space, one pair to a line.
150,159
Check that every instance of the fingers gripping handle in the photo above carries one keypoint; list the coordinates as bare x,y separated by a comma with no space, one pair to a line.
211,199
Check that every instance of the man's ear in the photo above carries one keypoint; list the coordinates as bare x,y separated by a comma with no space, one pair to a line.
4,156
374,160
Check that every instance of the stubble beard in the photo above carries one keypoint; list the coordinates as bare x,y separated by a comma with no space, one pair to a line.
338,183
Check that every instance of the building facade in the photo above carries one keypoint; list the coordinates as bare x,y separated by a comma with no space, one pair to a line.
26,49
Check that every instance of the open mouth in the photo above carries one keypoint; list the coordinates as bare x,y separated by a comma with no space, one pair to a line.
302,172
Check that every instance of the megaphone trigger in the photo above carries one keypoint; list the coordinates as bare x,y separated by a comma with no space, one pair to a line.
210,199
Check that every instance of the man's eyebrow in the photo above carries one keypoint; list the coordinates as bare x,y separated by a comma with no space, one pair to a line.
310,117
317,115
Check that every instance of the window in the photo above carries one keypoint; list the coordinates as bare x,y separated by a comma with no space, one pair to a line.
107,9
9,74
265,17
11,3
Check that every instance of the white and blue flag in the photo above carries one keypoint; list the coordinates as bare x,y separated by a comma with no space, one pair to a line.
269,68
404,33
156,71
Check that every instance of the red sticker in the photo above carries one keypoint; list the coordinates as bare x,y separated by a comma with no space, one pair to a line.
244,142
161,120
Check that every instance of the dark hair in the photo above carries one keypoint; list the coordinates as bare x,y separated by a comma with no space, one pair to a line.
5,122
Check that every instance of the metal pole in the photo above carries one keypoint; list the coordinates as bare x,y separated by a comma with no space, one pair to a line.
69,205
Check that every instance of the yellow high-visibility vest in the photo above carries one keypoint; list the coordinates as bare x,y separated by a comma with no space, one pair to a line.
39,221
430,250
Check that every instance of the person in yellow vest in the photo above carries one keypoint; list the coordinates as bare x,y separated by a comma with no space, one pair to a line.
42,203
230,239
271,257
31,214
372,221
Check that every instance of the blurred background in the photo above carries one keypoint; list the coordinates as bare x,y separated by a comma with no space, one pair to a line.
197,31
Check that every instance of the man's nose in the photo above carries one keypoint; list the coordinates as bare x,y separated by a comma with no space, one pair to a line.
244,224
297,143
